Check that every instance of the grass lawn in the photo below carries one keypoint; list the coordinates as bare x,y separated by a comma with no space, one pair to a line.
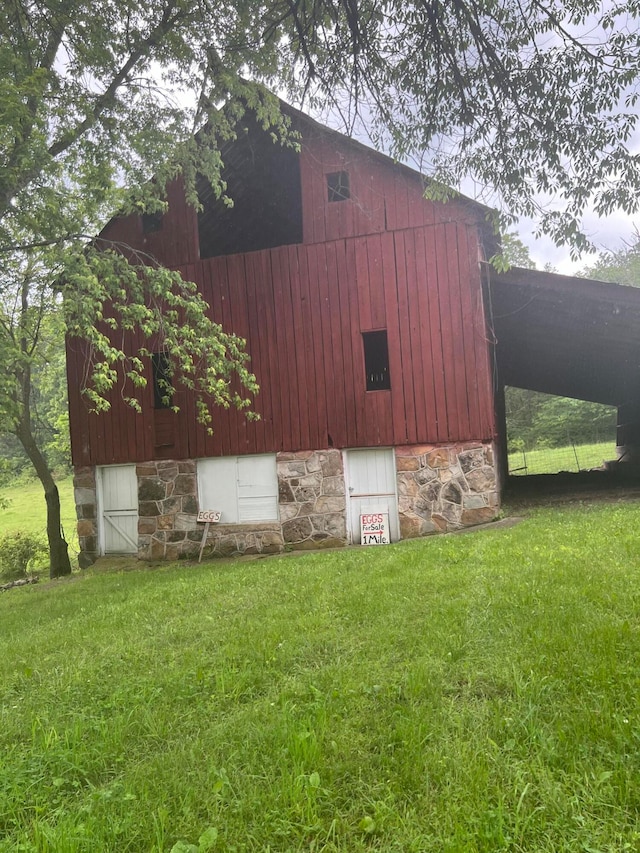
458,693
28,511
553,459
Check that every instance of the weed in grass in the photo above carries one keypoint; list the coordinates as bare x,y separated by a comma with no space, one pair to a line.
19,552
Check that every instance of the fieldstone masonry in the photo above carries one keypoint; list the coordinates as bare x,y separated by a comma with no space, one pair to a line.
167,510
439,489
313,506
445,488
84,487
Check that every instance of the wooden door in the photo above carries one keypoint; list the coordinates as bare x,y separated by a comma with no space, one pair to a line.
370,477
118,502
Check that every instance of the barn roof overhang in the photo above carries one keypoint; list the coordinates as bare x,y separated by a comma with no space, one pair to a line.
568,336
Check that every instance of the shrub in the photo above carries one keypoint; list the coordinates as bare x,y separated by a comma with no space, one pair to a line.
19,552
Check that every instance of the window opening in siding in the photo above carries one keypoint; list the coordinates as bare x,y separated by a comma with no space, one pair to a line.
338,186
376,360
162,384
151,222
262,180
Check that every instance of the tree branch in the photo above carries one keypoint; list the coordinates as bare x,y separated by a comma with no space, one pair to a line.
107,98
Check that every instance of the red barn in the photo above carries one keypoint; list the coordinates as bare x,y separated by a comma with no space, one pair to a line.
362,306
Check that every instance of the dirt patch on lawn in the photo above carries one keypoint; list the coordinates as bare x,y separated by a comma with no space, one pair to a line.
613,486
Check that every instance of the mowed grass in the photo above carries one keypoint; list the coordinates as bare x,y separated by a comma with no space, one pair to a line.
458,693
27,509
553,459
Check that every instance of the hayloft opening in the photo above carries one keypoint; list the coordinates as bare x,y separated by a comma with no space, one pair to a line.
262,180
151,222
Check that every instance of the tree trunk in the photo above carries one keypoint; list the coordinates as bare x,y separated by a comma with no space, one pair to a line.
59,563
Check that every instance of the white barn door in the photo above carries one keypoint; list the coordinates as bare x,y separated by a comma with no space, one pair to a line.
370,477
118,503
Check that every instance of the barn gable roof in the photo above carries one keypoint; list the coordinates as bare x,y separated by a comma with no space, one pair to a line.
243,168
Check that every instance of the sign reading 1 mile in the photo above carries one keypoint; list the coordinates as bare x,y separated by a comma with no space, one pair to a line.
374,528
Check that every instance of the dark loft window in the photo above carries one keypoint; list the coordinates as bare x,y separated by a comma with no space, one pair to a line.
263,180
376,360
338,186
151,222
162,385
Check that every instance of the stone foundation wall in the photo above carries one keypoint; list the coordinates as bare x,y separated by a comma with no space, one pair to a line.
439,489
445,487
312,510
84,488
312,500
167,510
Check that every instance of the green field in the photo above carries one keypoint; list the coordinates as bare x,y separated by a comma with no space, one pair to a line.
451,694
27,510
553,459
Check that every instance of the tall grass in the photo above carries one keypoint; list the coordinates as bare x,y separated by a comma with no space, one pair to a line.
460,693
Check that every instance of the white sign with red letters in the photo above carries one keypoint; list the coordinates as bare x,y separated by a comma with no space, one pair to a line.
374,528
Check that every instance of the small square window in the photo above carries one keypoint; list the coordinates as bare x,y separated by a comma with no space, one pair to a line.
376,360
338,186
151,222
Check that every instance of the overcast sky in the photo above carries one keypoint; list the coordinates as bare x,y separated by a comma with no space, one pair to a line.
609,234
606,234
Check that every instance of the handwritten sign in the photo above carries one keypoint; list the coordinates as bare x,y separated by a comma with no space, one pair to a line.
209,515
374,528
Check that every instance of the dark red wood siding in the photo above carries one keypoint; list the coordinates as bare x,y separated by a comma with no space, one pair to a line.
384,196
303,310
175,243
383,259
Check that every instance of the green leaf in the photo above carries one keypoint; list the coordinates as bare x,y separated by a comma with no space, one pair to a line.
184,847
367,825
208,839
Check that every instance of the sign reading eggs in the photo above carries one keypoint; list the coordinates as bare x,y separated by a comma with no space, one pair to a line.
209,515
374,528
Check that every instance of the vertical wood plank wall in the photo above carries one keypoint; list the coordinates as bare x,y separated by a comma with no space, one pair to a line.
385,258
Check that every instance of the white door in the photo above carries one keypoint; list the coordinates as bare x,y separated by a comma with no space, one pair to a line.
257,488
118,509
370,477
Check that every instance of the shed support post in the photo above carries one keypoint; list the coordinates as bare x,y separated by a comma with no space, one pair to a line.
628,433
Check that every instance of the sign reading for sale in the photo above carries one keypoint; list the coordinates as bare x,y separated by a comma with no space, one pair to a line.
374,528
